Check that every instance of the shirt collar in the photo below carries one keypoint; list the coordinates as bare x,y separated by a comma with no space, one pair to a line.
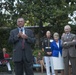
68,33
21,28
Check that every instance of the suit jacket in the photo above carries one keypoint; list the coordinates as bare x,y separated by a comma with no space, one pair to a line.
46,46
18,52
55,49
69,48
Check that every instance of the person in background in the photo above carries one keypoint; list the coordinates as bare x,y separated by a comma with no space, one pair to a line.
6,55
69,60
69,51
5,60
40,61
48,54
57,54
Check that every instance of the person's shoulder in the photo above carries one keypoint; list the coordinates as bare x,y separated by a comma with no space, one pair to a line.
72,34
13,30
52,43
59,40
28,30
63,35
45,38
51,40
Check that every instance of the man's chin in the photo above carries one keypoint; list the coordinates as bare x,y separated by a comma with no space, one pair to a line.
20,26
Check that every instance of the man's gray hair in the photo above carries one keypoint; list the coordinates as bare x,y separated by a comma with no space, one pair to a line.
67,26
20,18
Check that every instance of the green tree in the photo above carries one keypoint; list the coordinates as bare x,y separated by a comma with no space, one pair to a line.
53,13
37,12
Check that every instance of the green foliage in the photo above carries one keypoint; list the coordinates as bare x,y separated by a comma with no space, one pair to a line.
54,12
4,34
36,51
38,12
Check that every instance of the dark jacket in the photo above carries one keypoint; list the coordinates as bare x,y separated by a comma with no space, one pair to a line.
18,52
46,46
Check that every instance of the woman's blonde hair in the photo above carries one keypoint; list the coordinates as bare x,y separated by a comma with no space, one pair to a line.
56,35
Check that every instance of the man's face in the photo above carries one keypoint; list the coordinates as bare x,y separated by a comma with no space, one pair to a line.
67,29
20,22
48,34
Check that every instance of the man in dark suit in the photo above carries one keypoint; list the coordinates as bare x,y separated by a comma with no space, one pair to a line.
69,51
22,39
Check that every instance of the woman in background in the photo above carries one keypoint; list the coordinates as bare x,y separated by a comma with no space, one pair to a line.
6,55
5,61
40,61
57,54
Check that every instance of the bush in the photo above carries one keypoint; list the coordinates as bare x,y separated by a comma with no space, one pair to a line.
35,52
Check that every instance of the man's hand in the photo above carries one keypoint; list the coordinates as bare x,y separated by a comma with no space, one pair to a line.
24,36
65,42
49,53
74,41
19,34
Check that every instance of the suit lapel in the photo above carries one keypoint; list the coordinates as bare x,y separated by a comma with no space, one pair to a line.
25,31
17,31
56,44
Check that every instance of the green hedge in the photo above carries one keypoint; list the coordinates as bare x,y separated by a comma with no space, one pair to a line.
4,35
35,52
